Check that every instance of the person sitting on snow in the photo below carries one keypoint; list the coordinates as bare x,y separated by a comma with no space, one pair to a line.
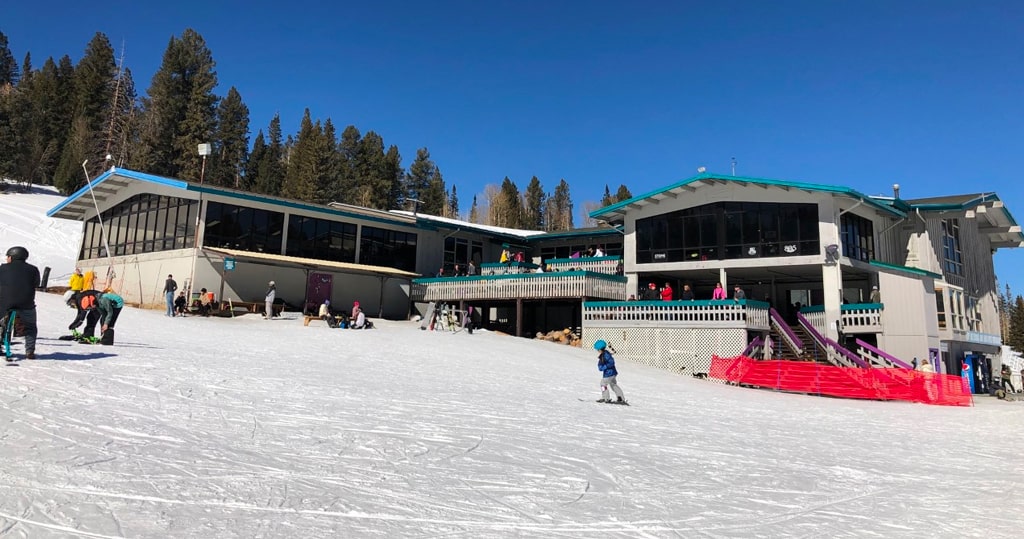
326,314
180,304
360,322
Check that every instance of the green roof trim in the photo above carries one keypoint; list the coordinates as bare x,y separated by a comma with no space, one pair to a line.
834,189
906,269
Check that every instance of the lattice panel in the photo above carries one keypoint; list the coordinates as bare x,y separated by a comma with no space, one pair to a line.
680,350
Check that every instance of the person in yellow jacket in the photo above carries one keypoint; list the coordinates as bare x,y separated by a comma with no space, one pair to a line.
89,280
77,281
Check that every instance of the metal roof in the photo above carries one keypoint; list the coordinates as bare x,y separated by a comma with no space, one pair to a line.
313,263
618,211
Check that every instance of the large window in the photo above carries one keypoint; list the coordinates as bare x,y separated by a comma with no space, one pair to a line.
461,251
248,229
858,238
144,223
565,251
729,230
309,237
952,257
382,247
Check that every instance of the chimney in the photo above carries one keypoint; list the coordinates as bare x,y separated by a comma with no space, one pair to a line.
896,190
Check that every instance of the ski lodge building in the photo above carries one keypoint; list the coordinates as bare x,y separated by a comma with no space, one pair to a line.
807,256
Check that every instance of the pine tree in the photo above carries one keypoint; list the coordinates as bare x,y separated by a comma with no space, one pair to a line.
180,110
11,130
421,172
394,175
300,178
328,165
1015,339
510,214
434,199
352,164
474,216
623,194
1005,308
607,199
8,67
533,206
121,130
251,178
453,204
91,105
231,141
559,209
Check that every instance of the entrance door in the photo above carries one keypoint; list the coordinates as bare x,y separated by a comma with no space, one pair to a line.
318,288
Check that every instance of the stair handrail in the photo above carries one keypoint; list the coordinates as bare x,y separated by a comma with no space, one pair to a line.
888,357
785,330
832,348
750,347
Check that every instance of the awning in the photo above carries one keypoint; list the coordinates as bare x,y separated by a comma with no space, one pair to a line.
313,263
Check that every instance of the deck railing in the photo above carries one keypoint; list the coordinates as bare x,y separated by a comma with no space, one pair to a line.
507,268
984,338
609,265
559,284
747,314
854,317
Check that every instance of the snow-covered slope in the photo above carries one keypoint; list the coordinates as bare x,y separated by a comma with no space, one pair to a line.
51,242
207,427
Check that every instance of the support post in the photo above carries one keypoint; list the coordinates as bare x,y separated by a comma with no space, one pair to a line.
519,317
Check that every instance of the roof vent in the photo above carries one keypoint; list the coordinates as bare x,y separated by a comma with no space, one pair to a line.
896,190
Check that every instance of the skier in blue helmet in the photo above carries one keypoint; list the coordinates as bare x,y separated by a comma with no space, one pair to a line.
606,364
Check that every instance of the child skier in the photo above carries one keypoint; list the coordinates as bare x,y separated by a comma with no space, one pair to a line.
606,364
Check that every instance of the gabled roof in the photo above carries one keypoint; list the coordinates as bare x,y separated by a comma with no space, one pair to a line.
619,210
107,185
994,219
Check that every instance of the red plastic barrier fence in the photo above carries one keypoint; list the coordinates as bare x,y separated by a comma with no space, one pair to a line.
810,377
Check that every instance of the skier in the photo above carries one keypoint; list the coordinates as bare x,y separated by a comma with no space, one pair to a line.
18,282
109,305
271,295
606,364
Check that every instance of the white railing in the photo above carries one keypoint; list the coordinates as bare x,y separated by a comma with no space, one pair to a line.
609,265
861,318
508,268
562,284
816,319
747,314
984,338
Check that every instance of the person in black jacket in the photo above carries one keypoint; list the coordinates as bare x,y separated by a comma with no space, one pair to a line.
85,303
18,282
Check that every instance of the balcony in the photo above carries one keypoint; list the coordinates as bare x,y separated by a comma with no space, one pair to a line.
527,286
978,337
745,314
854,318
608,265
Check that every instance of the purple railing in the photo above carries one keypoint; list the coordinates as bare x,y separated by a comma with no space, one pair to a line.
786,329
876,351
753,344
825,341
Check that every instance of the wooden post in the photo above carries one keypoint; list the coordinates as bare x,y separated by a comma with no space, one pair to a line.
519,317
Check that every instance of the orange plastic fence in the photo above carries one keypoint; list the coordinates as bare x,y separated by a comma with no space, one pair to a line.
878,384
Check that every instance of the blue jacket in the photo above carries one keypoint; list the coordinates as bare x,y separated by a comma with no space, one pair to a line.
606,364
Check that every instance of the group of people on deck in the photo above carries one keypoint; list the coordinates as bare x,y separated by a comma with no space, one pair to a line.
665,293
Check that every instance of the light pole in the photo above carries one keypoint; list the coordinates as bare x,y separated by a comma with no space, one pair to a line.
205,149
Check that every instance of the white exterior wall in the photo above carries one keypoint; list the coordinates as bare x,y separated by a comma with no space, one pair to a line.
909,322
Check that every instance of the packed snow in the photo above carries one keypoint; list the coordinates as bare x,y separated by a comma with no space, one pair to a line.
220,427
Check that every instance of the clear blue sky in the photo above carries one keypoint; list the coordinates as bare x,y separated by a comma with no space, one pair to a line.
863,94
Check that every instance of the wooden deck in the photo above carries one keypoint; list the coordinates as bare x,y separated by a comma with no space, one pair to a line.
524,286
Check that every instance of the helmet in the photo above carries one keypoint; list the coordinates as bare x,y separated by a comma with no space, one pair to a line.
271,283
18,253
600,345
69,297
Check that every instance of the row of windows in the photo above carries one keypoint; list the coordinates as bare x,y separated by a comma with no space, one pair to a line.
566,251
727,230
461,251
245,229
149,223
951,254
142,224
309,237
858,237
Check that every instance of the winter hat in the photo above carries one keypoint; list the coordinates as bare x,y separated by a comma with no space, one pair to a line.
327,302
271,283
874,287
651,285
355,303
69,296
600,345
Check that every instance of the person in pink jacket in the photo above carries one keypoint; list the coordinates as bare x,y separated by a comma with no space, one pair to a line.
719,292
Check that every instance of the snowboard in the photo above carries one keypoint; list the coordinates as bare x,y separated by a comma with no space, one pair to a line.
623,403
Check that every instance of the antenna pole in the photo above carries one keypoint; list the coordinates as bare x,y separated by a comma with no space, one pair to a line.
733,166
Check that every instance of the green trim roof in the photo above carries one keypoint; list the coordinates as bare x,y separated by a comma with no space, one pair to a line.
906,269
834,189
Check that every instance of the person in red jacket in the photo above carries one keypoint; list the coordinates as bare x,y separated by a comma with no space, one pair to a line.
666,293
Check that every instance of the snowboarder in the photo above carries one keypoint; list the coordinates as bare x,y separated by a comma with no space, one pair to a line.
84,303
606,364
109,305
18,282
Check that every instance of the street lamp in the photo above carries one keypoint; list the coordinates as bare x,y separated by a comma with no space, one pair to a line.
205,149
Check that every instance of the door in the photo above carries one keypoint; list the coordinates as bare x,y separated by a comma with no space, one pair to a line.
318,288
